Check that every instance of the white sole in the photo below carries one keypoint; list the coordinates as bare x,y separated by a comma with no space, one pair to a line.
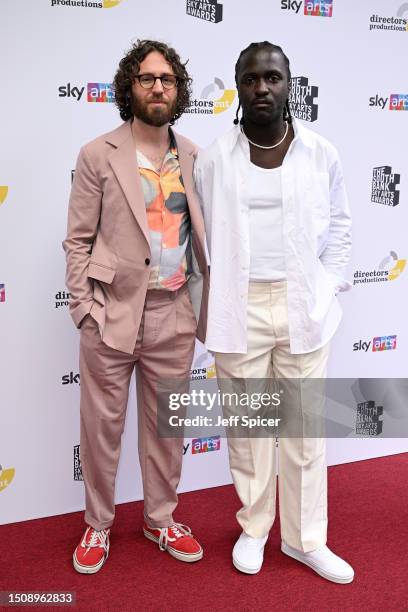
322,573
188,558
245,570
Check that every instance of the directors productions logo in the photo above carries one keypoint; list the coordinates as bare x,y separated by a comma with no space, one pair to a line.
397,102
95,92
205,445
313,8
62,299
214,99
6,476
398,23
377,344
384,186
390,268
2,292
208,10
101,4
77,464
3,193
368,419
301,99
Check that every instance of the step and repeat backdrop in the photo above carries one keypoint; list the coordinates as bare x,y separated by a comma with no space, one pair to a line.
348,62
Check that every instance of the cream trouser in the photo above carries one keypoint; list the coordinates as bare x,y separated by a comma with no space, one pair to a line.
302,461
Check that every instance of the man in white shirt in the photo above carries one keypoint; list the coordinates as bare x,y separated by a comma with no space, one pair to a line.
278,230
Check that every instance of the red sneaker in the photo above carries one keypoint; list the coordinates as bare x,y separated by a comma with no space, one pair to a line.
92,552
177,540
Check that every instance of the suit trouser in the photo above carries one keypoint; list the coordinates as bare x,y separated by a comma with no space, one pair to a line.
164,350
302,461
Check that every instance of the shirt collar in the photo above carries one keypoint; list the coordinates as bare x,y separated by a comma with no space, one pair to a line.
301,133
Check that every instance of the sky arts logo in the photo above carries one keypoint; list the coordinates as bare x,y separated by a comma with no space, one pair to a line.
398,23
313,8
2,293
384,186
205,445
389,269
397,102
70,379
301,99
62,299
368,419
96,92
3,193
77,464
378,344
208,10
214,99
86,3
6,476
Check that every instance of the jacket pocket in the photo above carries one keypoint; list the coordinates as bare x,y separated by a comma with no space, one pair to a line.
101,273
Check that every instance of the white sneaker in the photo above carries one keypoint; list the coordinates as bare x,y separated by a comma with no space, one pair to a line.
247,554
324,562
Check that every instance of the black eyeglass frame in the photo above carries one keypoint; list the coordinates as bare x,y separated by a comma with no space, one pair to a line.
177,81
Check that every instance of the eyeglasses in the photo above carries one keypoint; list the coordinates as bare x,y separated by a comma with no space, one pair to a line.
147,81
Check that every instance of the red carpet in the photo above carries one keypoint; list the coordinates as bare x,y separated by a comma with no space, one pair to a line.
368,525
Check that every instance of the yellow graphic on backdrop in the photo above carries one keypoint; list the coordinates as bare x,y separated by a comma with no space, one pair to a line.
223,103
211,371
398,269
6,476
3,193
111,3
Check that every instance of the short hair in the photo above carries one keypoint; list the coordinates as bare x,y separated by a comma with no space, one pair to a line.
129,67
260,46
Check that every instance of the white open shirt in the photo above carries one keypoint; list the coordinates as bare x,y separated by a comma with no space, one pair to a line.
316,238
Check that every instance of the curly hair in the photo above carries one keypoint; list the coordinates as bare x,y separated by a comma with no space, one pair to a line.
129,68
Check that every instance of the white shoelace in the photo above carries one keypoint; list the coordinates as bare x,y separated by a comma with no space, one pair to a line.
179,530
98,539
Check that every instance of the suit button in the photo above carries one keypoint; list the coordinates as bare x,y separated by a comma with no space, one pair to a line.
147,261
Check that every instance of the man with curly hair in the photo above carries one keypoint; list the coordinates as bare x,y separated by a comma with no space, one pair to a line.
138,279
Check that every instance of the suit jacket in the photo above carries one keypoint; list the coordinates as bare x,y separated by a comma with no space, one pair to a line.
108,243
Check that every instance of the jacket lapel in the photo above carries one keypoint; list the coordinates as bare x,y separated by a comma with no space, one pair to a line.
124,164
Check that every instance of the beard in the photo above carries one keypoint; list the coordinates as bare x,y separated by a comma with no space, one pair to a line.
153,114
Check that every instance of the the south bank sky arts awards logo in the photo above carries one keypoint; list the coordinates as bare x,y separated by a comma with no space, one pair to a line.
389,269
398,21
384,186
302,99
98,4
214,99
207,10
77,464
6,476
368,419
311,8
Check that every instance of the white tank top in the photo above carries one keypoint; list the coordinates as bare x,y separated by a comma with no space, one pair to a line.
263,194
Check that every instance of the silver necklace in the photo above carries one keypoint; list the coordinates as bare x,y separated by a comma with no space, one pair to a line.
272,146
